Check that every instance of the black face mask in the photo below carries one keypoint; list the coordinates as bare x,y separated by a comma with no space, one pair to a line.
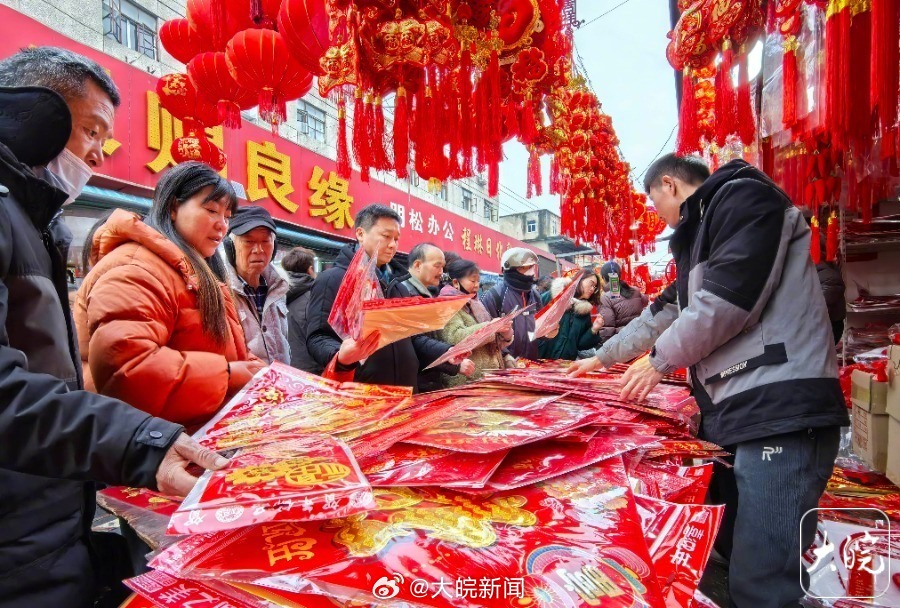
459,287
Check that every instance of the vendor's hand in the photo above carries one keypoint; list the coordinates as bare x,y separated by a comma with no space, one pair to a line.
597,325
467,368
353,351
460,359
171,478
583,366
639,380
241,372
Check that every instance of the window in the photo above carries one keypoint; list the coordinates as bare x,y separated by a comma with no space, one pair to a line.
490,210
130,25
312,121
531,226
467,202
445,193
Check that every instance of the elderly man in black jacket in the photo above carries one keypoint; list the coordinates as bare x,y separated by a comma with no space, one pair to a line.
747,316
56,111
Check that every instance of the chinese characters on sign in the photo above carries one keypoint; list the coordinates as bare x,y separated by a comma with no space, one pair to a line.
266,164
331,198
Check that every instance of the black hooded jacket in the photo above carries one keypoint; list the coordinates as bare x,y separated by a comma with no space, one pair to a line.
298,297
53,437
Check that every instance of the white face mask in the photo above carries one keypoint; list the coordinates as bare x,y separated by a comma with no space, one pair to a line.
73,172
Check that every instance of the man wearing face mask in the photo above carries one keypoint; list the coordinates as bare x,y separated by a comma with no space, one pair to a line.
56,111
517,289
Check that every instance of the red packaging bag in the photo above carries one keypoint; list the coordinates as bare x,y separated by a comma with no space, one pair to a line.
547,319
414,465
548,459
164,591
399,318
284,400
571,541
680,539
477,338
360,284
315,477
482,431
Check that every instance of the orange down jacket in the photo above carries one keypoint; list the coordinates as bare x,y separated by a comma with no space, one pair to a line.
139,327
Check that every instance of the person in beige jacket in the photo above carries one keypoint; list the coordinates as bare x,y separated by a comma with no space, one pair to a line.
260,293
465,278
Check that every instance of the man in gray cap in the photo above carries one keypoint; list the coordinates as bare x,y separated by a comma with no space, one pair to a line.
260,293
517,290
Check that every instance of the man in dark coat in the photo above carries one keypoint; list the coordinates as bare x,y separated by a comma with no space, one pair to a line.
747,316
56,111
426,267
299,263
397,364
517,290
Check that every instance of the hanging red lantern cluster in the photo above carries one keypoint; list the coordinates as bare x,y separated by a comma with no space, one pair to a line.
598,204
715,34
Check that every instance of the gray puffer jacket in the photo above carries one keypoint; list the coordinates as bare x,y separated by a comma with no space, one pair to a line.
267,339
746,314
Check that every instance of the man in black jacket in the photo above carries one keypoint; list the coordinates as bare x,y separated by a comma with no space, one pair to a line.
426,267
299,263
56,111
747,316
397,364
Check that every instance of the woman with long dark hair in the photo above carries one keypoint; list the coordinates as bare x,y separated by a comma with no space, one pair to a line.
577,332
464,279
156,326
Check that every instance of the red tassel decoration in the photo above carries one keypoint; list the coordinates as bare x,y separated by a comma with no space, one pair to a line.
831,238
361,136
401,133
725,114
229,114
789,73
534,173
343,155
493,178
688,134
529,121
885,75
815,241
483,126
554,176
496,125
746,122
837,34
380,159
466,111
859,117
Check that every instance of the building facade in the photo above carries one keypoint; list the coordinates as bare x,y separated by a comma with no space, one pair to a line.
292,174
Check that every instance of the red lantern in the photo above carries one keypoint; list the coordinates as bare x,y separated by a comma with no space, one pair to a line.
180,40
210,75
304,26
196,147
217,21
178,95
259,60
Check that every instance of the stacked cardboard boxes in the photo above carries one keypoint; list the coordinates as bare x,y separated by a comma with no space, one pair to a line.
893,410
870,420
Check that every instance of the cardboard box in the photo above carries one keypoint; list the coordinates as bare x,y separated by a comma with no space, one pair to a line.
893,389
868,393
870,438
893,455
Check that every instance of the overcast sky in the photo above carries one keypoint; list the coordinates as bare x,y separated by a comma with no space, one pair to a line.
624,56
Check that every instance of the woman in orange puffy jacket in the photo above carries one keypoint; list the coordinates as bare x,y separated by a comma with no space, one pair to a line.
156,327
